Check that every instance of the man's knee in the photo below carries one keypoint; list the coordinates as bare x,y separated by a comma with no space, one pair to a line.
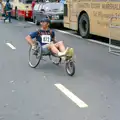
51,46
60,43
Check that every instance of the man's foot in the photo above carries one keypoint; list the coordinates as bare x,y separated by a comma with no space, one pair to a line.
63,53
4,20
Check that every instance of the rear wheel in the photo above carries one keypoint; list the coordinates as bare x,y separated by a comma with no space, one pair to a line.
84,26
37,55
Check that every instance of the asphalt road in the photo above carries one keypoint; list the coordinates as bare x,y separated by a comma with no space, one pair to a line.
37,94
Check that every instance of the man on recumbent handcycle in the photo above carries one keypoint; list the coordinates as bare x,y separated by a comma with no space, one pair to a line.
46,37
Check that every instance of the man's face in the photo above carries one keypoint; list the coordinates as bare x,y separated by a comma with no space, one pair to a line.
45,24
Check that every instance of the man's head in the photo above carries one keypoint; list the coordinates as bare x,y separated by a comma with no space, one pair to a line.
45,23
7,0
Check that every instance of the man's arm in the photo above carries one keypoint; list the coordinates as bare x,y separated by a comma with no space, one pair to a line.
31,36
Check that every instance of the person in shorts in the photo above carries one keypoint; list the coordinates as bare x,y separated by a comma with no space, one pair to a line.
46,37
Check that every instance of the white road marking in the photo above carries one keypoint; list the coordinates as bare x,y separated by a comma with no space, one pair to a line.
31,22
94,41
70,95
11,46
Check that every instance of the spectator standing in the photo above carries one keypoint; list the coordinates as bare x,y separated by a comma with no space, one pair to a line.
33,4
8,9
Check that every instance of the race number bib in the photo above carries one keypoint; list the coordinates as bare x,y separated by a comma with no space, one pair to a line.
46,38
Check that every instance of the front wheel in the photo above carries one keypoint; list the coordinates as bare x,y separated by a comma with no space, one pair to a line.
70,68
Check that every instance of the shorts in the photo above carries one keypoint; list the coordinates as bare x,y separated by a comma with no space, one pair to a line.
45,49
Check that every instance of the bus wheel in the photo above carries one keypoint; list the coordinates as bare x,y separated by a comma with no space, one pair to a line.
84,26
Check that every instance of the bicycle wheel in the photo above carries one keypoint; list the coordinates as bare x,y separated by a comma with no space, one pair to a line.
70,68
35,54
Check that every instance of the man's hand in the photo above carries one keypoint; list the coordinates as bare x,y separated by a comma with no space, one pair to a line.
54,41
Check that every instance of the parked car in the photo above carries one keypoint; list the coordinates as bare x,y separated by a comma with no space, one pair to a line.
54,11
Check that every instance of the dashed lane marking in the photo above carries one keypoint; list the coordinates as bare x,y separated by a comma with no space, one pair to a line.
31,22
71,96
11,46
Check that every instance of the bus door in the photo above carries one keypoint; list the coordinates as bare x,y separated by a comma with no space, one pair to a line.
67,13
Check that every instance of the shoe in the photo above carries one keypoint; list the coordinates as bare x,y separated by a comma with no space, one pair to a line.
63,53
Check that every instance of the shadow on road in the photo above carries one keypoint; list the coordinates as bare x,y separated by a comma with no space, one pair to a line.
49,67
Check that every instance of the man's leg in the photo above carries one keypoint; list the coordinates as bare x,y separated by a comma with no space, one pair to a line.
60,51
60,46
9,14
53,49
68,52
6,16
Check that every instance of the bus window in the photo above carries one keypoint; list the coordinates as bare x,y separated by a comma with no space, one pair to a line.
65,10
28,1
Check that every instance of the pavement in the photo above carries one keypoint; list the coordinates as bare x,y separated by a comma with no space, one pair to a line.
47,92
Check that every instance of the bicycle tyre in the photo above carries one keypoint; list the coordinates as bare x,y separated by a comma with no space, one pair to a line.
70,73
40,55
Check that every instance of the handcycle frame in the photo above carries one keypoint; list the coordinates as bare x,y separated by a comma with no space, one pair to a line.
40,55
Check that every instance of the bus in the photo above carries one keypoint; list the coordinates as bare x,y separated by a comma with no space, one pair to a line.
92,17
21,8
